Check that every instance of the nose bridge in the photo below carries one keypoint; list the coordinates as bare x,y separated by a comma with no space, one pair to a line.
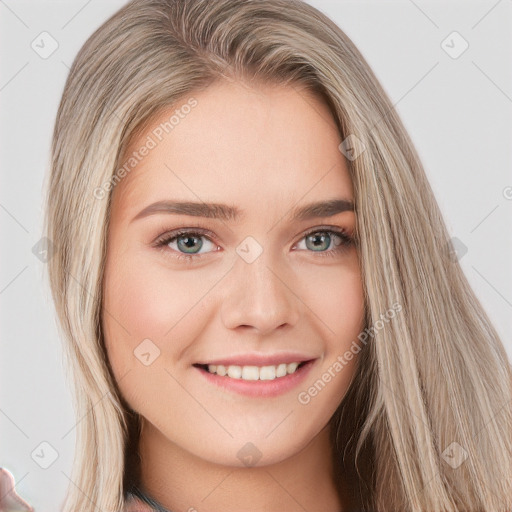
258,294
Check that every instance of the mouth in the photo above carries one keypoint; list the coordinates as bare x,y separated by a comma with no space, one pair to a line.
251,372
256,381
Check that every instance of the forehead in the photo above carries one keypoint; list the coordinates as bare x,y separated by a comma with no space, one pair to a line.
240,144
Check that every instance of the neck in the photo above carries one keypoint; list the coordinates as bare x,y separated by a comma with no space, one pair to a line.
180,480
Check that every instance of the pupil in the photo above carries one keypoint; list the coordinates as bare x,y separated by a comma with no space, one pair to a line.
187,242
323,238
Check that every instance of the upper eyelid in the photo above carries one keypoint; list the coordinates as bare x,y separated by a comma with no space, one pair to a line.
166,237
174,233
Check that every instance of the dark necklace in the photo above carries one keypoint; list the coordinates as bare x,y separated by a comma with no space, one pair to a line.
137,492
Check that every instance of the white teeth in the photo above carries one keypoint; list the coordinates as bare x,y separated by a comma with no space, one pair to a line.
291,367
254,372
281,370
235,372
268,373
250,373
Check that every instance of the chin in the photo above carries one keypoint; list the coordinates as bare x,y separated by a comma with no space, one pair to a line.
253,451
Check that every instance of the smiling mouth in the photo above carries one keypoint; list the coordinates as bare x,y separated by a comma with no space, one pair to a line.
253,373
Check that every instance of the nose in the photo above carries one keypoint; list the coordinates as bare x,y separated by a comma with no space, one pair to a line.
259,296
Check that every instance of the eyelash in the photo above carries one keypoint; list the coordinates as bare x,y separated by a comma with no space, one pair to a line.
163,240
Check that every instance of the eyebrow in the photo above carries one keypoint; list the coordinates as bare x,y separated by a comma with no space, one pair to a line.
231,213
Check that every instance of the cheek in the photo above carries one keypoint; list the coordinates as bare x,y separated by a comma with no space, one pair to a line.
337,304
335,296
147,300
348,309
147,310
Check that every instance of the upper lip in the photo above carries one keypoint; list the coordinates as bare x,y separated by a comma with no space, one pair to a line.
259,359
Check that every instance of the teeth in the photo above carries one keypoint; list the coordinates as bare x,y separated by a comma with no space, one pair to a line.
250,373
281,370
235,372
254,372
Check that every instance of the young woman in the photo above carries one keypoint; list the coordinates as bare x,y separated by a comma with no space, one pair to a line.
254,282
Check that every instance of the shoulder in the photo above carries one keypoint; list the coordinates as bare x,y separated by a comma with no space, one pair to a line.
9,498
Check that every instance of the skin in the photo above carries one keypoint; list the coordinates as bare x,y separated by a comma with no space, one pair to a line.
264,149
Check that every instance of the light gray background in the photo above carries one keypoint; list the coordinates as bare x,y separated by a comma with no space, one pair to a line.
458,113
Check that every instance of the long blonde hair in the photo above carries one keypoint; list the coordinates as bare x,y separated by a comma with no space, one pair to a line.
434,383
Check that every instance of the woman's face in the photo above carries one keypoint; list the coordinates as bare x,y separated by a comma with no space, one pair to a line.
250,284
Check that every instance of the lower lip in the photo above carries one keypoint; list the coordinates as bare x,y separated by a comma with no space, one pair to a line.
259,388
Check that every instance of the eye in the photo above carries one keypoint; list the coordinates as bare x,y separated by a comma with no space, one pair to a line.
186,244
320,240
